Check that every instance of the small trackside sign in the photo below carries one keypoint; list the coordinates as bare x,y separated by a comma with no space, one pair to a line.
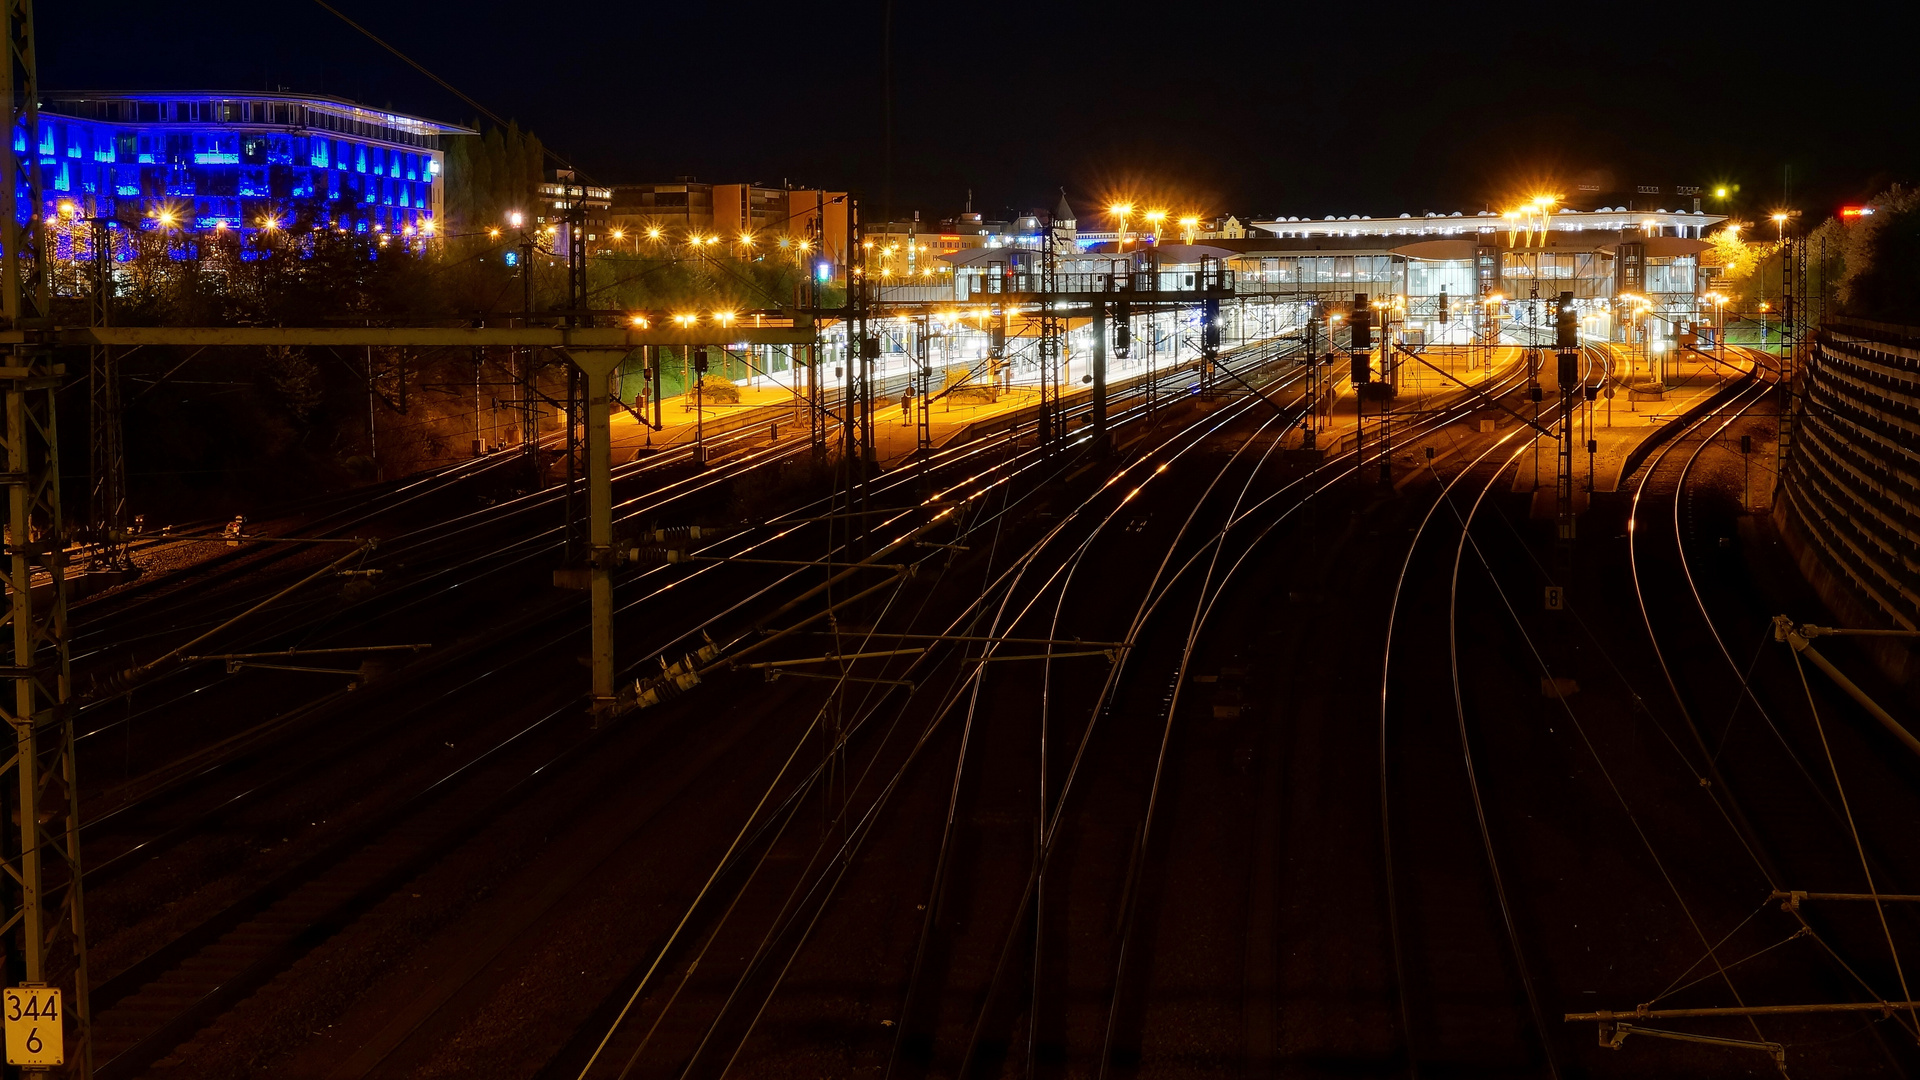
35,1036
1556,598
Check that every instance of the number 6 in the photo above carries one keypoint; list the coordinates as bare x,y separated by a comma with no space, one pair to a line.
34,1045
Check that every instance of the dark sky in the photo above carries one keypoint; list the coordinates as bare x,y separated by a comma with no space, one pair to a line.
1278,108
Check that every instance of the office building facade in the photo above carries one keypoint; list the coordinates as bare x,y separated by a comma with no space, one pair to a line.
203,161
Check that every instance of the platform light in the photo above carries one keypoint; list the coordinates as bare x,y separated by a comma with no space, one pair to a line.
685,319
515,219
639,322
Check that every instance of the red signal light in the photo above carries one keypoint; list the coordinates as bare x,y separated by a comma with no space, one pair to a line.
1856,211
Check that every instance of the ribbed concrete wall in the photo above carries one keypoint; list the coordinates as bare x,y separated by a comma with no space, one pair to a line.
1850,501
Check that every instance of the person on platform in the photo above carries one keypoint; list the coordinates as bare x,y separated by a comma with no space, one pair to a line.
906,406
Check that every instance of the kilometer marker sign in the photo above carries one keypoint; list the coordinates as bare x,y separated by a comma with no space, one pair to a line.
35,1037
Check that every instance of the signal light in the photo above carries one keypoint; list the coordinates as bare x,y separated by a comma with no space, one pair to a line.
1361,321
1566,331
1362,369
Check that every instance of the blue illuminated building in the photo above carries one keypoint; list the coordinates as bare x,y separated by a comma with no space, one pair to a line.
241,161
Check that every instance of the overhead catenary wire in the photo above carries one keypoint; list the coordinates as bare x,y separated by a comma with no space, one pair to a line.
1853,829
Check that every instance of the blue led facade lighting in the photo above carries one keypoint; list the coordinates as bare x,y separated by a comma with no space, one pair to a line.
237,161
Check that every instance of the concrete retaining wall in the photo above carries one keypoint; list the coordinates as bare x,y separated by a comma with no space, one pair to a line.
1849,505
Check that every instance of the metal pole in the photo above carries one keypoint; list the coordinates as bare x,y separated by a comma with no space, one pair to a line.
597,366
1100,374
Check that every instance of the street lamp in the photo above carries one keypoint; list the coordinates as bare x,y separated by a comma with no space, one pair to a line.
1189,226
1122,211
1154,218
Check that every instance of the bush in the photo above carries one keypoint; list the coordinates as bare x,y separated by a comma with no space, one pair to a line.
719,388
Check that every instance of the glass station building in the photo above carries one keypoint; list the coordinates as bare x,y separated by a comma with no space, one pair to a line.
240,161
1632,273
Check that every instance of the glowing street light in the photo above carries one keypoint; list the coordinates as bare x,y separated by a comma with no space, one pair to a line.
1122,211
1155,218
1189,226
515,219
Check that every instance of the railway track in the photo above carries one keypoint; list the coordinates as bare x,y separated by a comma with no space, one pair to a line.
953,1023
154,1003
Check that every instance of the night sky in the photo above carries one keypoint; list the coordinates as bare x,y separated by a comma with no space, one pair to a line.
1253,109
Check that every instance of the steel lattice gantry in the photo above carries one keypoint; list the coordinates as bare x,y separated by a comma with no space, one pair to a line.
40,900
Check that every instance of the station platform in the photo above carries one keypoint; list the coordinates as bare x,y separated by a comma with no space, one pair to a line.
1624,426
778,413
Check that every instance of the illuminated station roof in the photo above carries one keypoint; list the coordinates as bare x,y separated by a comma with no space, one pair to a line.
1677,223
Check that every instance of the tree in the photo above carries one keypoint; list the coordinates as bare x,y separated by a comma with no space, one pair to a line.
1735,257
1880,254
